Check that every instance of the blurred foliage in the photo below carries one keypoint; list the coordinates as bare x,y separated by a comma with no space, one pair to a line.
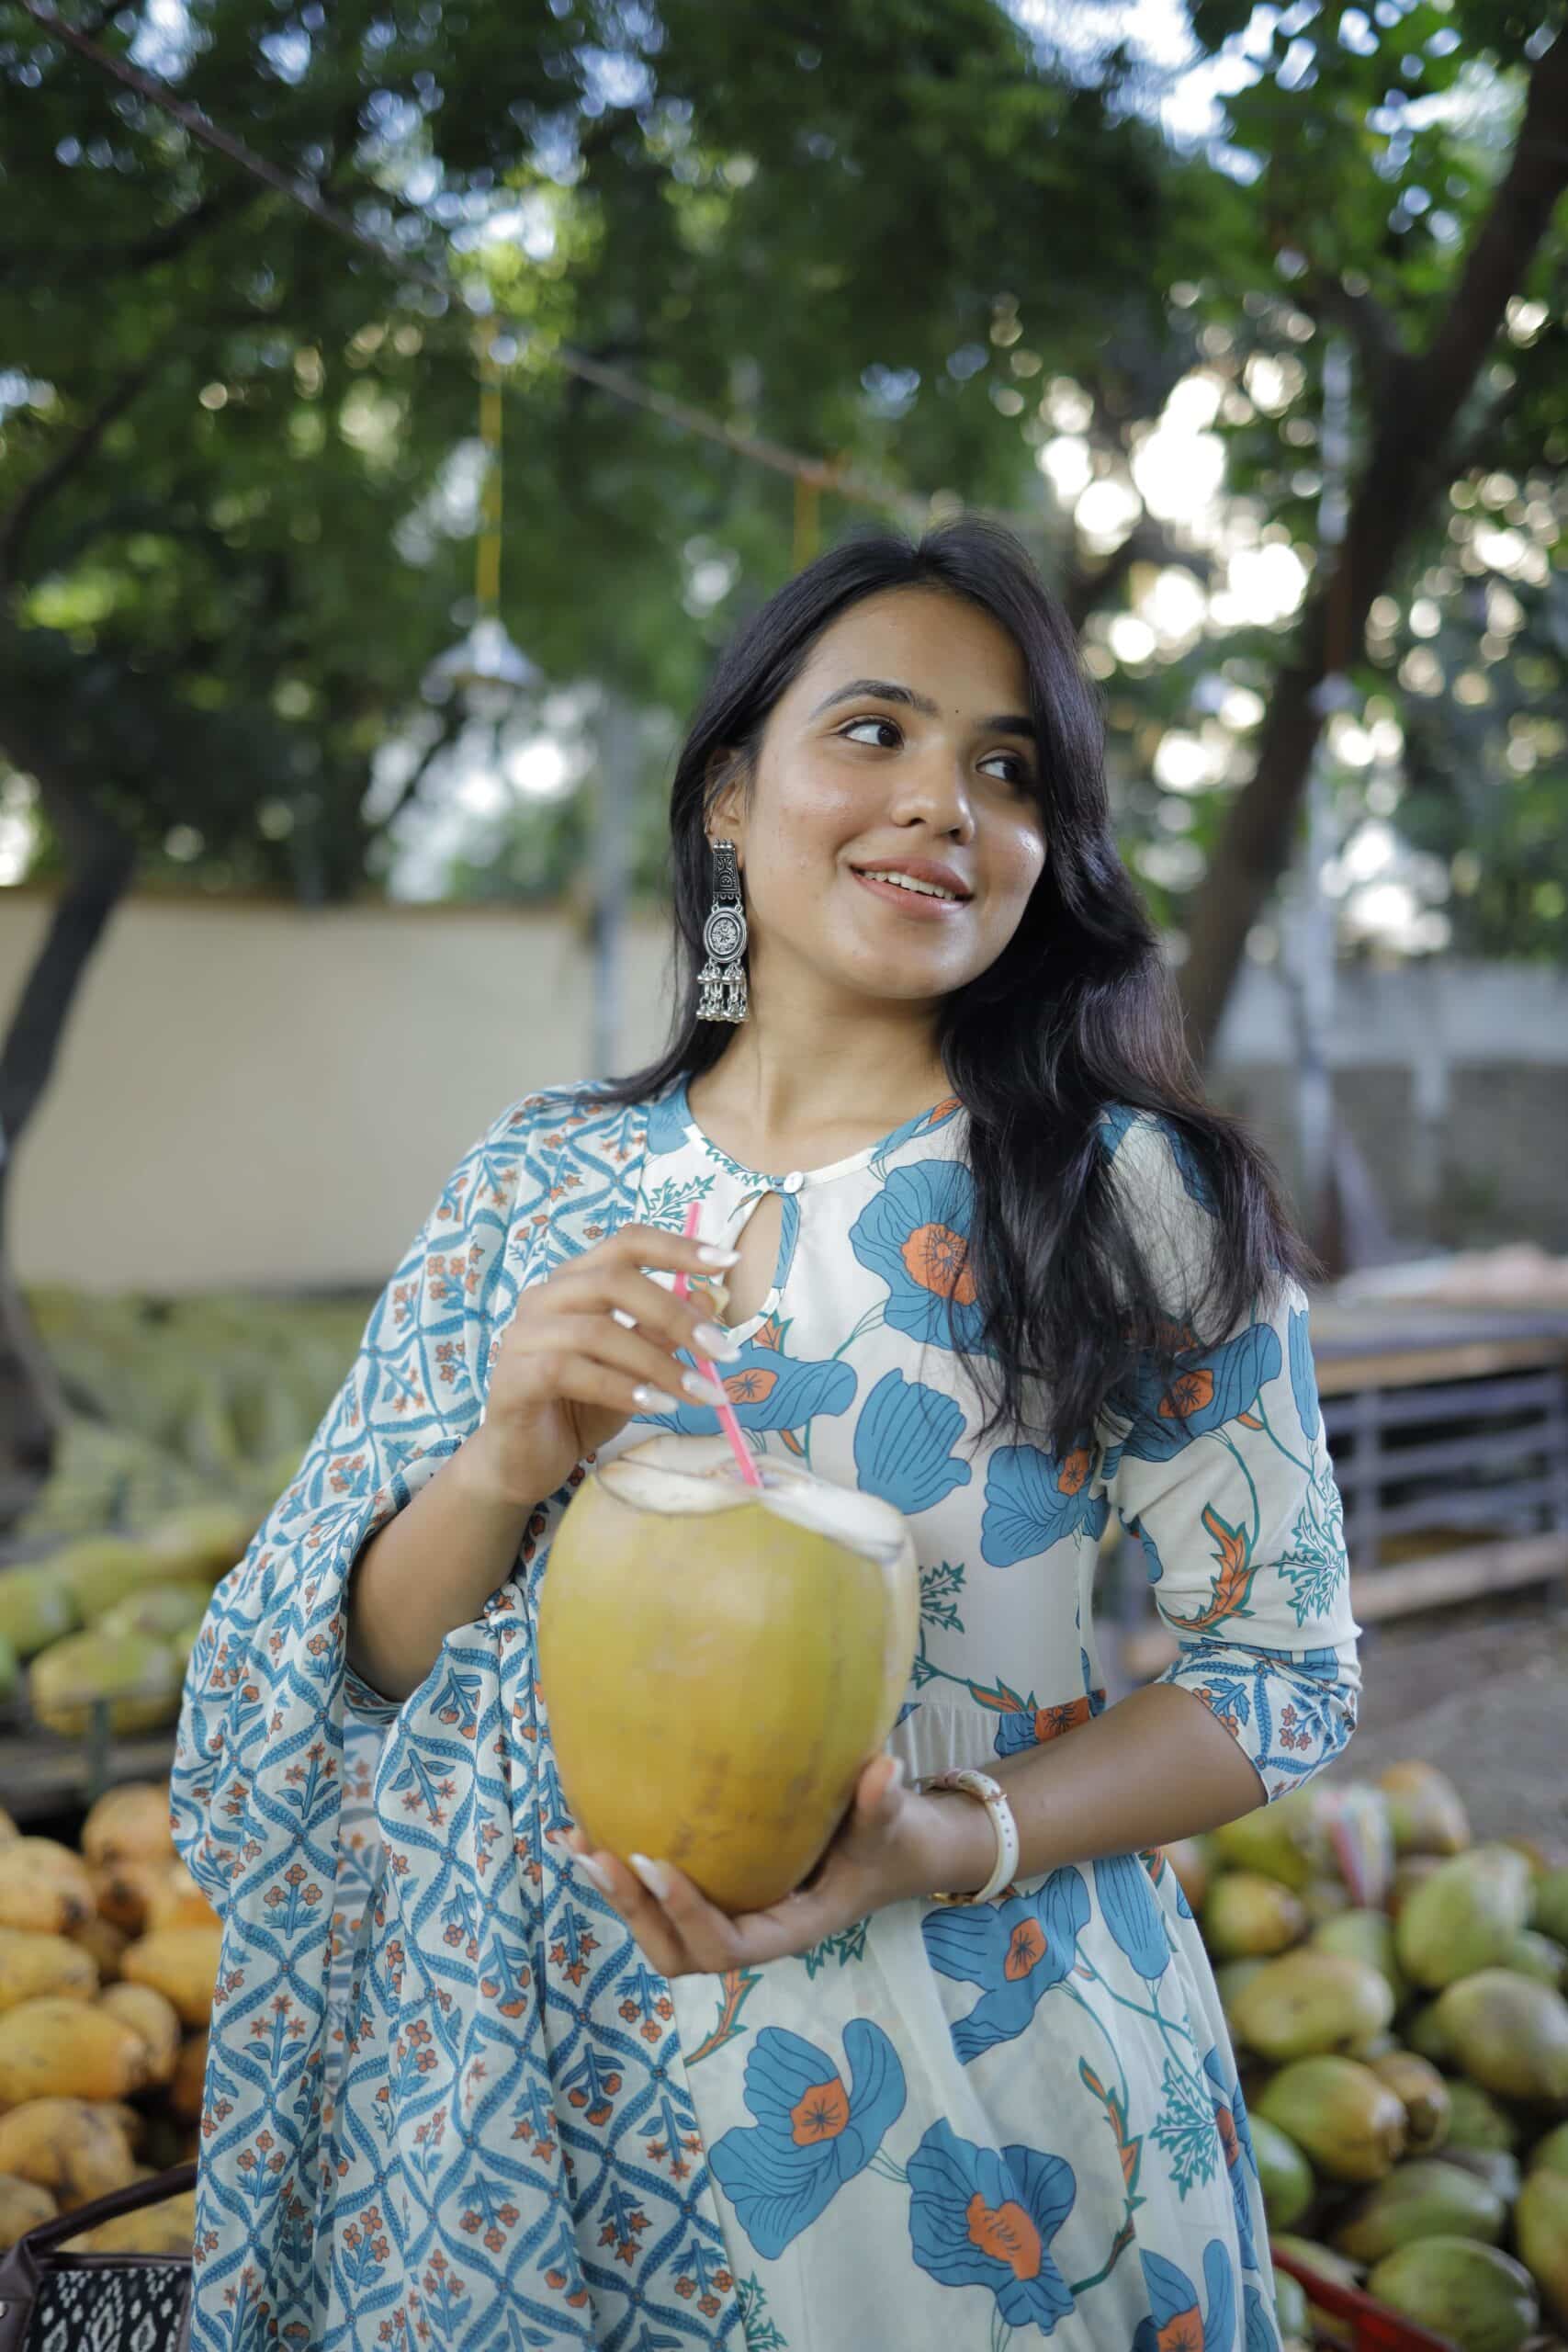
237,455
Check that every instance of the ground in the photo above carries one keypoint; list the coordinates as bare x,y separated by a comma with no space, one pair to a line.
1482,1691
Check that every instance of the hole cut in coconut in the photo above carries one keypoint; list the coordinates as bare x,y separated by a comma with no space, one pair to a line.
669,1473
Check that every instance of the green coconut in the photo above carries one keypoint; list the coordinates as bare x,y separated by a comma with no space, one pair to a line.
1478,2296
36,1608
1510,2034
1351,2125
160,1609
1465,1915
1476,2120
1423,2199
1550,2154
1533,1954
1283,1840
1363,1935
1307,2002
1284,2172
1427,2105
1548,1904
1541,2234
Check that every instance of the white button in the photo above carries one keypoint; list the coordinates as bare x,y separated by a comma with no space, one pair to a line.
792,1182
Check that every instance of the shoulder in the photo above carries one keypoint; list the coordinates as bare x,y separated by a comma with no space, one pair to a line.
1155,1159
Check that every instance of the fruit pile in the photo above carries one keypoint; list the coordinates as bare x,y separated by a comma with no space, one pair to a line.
1395,1993
114,1617
108,1958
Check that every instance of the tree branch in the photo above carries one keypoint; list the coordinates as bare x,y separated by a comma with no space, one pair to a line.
1421,396
15,526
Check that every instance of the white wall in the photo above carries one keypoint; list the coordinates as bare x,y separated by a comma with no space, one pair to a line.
249,1092
252,1093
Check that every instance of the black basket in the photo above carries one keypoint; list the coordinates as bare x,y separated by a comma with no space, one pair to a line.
54,2301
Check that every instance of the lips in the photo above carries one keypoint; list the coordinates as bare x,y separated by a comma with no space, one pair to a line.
914,902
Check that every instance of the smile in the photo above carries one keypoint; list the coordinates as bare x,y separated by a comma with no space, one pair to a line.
912,901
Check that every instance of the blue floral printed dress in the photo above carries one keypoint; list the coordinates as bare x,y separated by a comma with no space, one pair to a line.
448,2103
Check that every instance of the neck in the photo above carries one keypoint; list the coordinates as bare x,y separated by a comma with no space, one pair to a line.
847,1077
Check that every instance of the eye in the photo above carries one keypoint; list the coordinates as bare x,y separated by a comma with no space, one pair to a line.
1021,776
890,724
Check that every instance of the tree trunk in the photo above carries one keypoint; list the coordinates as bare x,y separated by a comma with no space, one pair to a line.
101,859
1420,395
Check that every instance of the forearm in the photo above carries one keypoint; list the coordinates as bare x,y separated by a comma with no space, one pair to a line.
1155,1766
431,1567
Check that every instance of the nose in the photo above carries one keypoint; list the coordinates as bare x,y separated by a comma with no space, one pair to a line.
934,788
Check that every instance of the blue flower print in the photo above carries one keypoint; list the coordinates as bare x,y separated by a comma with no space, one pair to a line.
1209,1387
1034,1499
986,2217
1114,1123
1262,2333
1176,2325
1015,1951
915,1235
1235,2139
811,2134
1304,1373
1131,1914
769,1389
903,1441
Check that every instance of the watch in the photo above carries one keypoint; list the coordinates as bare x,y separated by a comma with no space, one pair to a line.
993,1796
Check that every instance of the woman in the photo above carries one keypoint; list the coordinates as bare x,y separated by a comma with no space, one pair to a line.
471,2084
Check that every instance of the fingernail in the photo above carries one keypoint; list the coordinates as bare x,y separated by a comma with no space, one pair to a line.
711,1342
706,1392
655,1401
652,1874
897,1775
712,1257
600,1878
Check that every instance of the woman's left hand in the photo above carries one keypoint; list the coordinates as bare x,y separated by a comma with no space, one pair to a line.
877,1856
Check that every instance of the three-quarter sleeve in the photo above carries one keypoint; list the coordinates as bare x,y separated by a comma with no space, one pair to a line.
277,1622
1223,1473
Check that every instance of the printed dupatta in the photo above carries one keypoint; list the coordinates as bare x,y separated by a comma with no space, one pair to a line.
540,2180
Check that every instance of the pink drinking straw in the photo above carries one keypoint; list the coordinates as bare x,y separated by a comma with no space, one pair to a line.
726,1412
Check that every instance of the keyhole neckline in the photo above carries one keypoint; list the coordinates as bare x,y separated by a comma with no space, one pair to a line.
795,1180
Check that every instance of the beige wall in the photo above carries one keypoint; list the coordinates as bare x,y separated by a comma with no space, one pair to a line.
254,1093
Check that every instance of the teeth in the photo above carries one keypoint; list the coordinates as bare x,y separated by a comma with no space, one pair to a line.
907,882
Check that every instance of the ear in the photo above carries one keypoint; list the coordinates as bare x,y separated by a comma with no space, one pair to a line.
723,780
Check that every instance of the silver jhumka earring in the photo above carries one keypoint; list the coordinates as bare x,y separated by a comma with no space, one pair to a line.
723,978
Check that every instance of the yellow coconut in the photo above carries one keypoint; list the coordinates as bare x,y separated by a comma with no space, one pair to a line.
68,2146
23,2205
126,1891
32,1963
177,1902
717,1663
191,2073
8,1828
1307,2002
99,1570
43,1886
168,2227
154,2016
1424,1810
52,2047
130,2122
158,1608
129,1823
104,1942
182,1964
1249,1916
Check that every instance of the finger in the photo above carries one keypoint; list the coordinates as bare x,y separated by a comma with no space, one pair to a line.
705,1932
646,1916
879,1787
615,1363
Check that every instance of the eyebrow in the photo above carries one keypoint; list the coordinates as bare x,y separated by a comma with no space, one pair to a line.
887,690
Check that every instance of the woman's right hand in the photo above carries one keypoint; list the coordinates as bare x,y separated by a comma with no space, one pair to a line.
566,1374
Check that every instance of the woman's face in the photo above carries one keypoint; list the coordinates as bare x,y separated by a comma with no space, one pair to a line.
906,736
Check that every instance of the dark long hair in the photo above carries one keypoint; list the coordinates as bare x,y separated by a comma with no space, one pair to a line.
1078,1014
